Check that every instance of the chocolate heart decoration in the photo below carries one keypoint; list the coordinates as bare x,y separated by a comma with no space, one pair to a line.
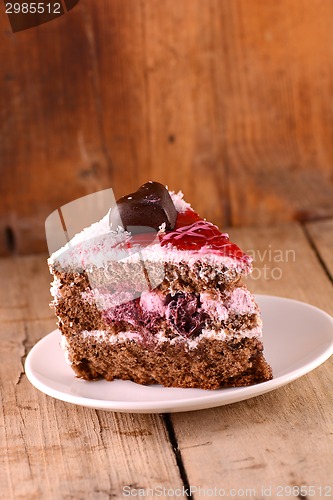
150,206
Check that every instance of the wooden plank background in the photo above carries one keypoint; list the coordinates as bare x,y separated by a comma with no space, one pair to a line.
59,450
230,101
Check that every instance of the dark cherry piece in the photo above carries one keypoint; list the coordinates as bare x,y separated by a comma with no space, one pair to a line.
150,206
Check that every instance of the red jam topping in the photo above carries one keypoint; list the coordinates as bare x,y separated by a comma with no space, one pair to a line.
192,233
186,218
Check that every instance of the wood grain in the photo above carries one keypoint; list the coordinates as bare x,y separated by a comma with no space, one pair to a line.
284,437
59,450
50,449
51,144
321,233
228,101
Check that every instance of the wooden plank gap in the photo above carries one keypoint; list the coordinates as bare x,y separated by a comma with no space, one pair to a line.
10,240
315,250
177,453
25,353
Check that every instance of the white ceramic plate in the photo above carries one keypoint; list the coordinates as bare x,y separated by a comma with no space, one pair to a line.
297,338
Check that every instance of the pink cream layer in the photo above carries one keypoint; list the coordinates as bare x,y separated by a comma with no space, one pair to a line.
185,309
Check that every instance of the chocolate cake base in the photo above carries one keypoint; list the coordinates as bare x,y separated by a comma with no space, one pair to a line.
98,348
167,308
210,365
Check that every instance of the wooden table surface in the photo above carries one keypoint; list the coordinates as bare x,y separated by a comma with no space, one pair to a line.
55,450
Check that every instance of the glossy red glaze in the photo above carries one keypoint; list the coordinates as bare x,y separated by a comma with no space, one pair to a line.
192,233
186,218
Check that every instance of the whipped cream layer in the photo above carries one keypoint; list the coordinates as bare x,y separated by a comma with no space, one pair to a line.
99,245
160,337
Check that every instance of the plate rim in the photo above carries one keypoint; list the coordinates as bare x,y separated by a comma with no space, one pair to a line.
204,401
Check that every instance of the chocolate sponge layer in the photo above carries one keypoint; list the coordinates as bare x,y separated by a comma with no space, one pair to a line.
212,364
209,364
178,277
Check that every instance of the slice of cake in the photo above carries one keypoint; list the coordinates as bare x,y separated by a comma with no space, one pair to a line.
152,293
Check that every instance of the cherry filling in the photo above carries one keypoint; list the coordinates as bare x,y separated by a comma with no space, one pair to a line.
193,233
131,312
183,312
185,315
